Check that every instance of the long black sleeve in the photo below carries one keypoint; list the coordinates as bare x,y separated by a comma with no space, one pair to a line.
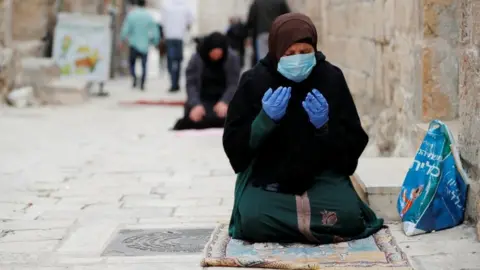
252,19
245,126
347,141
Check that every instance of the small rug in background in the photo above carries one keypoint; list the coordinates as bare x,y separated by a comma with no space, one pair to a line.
155,102
375,252
200,132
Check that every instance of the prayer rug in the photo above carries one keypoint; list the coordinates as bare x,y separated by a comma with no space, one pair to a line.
155,102
215,132
375,252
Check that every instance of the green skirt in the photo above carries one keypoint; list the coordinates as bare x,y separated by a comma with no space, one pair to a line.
329,212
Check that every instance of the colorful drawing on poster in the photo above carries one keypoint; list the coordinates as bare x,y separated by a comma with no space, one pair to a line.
66,45
66,69
86,60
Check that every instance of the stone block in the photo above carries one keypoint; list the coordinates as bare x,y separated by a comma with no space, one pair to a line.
407,16
7,71
29,247
19,225
33,235
384,206
457,260
89,239
383,175
382,179
337,21
385,28
334,47
38,72
361,62
67,91
31,19
363,12
357,81
431,11
29,48
474,21
440,81
465,21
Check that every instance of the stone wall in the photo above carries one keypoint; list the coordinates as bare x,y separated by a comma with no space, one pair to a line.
83,6
213,14
30,19
440,63
2,22
469,108
209,18
377,44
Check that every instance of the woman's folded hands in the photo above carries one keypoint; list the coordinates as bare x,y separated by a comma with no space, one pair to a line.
275,105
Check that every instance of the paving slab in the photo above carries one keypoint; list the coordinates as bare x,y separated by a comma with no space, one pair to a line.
18,225
130,242
10,236
29,247
88,239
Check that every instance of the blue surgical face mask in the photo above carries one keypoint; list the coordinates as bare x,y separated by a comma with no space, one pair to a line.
297,67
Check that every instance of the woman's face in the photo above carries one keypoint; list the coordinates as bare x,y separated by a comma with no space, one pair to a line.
216,54
299,48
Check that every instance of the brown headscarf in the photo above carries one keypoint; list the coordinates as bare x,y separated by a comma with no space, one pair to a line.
288,29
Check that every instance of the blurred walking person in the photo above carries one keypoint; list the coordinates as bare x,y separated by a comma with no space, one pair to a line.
237,34
177,19
162,49
140,31
261,15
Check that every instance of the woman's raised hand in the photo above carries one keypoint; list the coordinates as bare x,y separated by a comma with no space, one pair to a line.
316,107
275,103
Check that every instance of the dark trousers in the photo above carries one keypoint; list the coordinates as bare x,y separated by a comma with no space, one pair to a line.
134,55
211,120
174,60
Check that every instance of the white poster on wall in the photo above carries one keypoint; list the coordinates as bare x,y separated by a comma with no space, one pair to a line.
82,46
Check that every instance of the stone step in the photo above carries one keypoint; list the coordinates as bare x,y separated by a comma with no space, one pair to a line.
37,72
9,66
29,48
379,181
66,91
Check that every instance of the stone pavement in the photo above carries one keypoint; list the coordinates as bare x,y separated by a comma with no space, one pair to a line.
72,177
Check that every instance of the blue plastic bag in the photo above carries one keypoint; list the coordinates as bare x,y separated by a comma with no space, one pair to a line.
434,192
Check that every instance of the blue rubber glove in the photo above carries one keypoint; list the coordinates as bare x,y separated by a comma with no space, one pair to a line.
275,103
316,107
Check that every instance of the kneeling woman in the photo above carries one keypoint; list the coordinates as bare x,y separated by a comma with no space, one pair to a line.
294,137
212,77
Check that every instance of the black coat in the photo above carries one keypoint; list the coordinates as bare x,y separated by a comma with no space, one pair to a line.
262,13
295,152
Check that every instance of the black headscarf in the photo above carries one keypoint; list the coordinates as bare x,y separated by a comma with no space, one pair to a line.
210,42
288,29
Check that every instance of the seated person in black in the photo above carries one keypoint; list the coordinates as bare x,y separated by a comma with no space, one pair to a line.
212,76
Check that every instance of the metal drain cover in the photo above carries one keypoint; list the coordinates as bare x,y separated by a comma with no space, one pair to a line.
155,242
